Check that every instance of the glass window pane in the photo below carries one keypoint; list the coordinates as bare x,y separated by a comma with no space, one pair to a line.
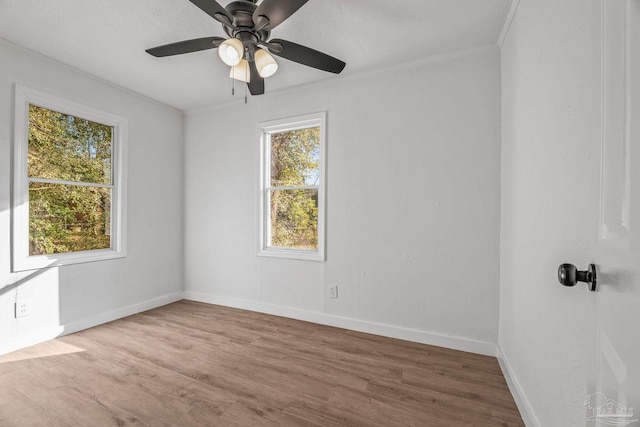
295,157
294,218
68,218
69,148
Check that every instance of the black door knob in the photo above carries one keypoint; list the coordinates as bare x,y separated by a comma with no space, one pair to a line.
569,275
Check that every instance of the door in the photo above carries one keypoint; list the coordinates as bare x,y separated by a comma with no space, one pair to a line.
615,392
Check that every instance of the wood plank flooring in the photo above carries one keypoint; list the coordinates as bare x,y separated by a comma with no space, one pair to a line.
194,364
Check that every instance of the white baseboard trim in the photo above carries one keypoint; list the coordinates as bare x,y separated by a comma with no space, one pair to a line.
19,343
110,316
526,412
47,334
415,335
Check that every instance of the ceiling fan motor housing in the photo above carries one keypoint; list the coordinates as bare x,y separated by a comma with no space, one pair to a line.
242,13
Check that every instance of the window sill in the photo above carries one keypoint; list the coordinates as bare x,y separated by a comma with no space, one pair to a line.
296,254
56,260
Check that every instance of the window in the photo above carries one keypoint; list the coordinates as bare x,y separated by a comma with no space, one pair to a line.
292,219
68,183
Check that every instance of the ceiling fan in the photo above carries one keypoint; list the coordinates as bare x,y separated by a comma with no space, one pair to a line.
249,26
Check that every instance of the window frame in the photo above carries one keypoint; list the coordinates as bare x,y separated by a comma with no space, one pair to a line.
284,125
21,260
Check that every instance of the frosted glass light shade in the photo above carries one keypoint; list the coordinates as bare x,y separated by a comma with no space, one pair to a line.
241,71
231,51
266,65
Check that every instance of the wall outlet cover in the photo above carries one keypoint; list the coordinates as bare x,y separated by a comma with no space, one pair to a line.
333,291
22,308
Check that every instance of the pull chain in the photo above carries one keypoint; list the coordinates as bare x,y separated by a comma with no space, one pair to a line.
246,73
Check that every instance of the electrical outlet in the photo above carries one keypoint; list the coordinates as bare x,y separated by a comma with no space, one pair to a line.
333,291
23,308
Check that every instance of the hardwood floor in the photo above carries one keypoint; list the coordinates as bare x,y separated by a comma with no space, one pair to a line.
193,364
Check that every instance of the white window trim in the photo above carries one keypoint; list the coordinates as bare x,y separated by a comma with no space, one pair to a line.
282,125
21,260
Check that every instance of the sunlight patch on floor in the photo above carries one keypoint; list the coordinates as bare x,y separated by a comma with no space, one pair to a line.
45,349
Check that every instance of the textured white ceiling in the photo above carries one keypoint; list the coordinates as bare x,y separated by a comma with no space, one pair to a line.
108,38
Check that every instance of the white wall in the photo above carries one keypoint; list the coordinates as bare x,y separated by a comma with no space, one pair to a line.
72,297
561,344
413,201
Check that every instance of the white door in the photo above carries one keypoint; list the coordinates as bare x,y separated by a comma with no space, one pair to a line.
615,393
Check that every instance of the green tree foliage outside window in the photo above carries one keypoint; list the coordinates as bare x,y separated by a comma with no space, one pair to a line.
295,175
70,183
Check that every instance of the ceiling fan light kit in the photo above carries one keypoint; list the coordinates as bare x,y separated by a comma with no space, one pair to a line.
241,71
231,52
248,48
266,65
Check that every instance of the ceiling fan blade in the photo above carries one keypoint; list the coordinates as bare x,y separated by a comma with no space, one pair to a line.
256,84
185,46
306,56
214,10
276,11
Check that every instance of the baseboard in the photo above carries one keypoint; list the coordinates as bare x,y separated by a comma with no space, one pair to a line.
21,342
526,412
415,335
69,328
110,316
